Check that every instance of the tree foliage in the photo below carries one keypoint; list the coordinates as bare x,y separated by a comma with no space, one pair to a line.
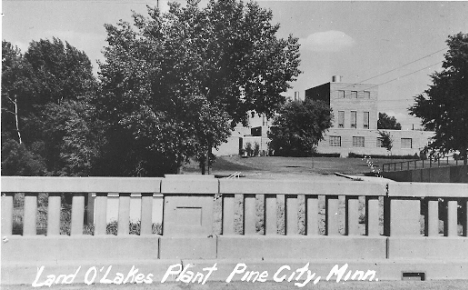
299,126
443,107
171,88
175,84
386,140
17,89
37,89
388,122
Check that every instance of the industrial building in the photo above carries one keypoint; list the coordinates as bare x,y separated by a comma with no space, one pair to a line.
354,124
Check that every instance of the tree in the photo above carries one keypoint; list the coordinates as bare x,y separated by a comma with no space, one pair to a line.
178,83
387,122
444,105
386,140
17,88
299,126
36,89
18,160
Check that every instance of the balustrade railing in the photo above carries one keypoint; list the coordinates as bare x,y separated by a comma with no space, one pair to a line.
244,207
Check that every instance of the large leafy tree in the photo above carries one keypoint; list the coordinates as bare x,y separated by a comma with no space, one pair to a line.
17,90
299,126
388,122
17,93
444,105
40,92
62,76
175,84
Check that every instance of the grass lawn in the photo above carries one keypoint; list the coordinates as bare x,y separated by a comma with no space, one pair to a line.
384,285
275,166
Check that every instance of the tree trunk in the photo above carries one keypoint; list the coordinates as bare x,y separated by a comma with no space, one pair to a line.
208,165
202,167
15,102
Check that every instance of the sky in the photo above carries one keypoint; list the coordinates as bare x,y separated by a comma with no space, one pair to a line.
395,45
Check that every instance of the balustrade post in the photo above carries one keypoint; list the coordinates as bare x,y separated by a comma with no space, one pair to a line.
78,208
291,215
100,218
146,223
124,214
452,230
53,215
250,216
30,211
228,214
433,218
332,216
466,218
7,214
312,216
373,228
353,216
239,214
280,214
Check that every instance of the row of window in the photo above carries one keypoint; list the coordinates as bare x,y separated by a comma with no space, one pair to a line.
353,94
365,119
359,141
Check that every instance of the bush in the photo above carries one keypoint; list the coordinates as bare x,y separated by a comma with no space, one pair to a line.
248,149
256,149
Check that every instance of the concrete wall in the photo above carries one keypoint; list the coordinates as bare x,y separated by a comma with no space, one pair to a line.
263,223
419,141
448,174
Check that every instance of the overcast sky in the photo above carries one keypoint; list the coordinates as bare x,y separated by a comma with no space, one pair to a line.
357,40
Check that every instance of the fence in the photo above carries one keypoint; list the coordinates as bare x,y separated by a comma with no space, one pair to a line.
396,229
419,164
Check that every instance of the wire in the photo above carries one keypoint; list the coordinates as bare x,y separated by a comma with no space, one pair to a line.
400,77
392,70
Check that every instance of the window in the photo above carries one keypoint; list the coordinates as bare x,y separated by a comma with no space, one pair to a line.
406,143
366,95
353,119
379,142
354,95
366,120
341,94
335,141
358,141
340,119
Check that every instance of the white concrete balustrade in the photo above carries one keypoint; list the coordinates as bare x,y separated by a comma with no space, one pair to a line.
204,218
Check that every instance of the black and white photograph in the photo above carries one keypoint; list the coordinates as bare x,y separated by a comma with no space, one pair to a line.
234,144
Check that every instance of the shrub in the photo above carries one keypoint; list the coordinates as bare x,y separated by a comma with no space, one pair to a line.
256,149
248,149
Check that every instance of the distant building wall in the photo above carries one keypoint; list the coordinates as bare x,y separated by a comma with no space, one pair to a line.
360,141
361,99
319,93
